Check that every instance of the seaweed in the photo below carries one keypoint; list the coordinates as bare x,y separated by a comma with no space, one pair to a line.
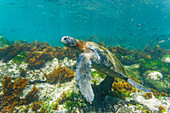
10,52
121,50
22,72
62,98
36,105
122,89
11,93
38,53
43,110
36,46
32,95
36,60
56,107
156,53
148,95
162,109
60,75
158,94
129,57
26,109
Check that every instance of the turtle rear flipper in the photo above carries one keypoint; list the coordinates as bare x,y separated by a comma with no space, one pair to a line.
83,76
138,85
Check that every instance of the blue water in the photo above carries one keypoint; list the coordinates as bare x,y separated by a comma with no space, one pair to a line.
128,23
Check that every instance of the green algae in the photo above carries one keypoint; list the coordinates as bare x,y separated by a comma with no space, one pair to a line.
19,58
155,65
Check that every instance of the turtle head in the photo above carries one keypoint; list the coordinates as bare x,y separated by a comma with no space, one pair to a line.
72,43
69,41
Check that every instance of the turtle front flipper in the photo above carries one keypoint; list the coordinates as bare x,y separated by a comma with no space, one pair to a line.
138,85
83,76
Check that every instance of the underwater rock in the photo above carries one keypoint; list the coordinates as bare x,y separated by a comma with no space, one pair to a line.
11,69
153,103
38,74
68,62
166,59
155,75
116,105
50,92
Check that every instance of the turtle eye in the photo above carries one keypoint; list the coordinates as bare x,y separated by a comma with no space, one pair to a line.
65,39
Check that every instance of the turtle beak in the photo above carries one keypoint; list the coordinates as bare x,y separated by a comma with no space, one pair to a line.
69,41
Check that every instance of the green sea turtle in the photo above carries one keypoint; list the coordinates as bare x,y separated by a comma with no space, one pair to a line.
100,59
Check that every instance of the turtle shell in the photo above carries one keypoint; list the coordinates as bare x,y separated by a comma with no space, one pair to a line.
107,62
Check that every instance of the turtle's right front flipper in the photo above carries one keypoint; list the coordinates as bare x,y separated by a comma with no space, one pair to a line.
83,76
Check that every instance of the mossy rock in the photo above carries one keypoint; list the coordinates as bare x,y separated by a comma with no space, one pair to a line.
166,58
155,75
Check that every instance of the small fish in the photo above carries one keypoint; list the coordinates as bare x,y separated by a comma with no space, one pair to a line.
139,24
132,20
161,41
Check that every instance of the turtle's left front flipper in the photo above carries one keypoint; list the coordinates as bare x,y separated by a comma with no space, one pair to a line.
83,76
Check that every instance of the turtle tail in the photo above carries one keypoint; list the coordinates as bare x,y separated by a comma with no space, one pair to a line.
138,85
